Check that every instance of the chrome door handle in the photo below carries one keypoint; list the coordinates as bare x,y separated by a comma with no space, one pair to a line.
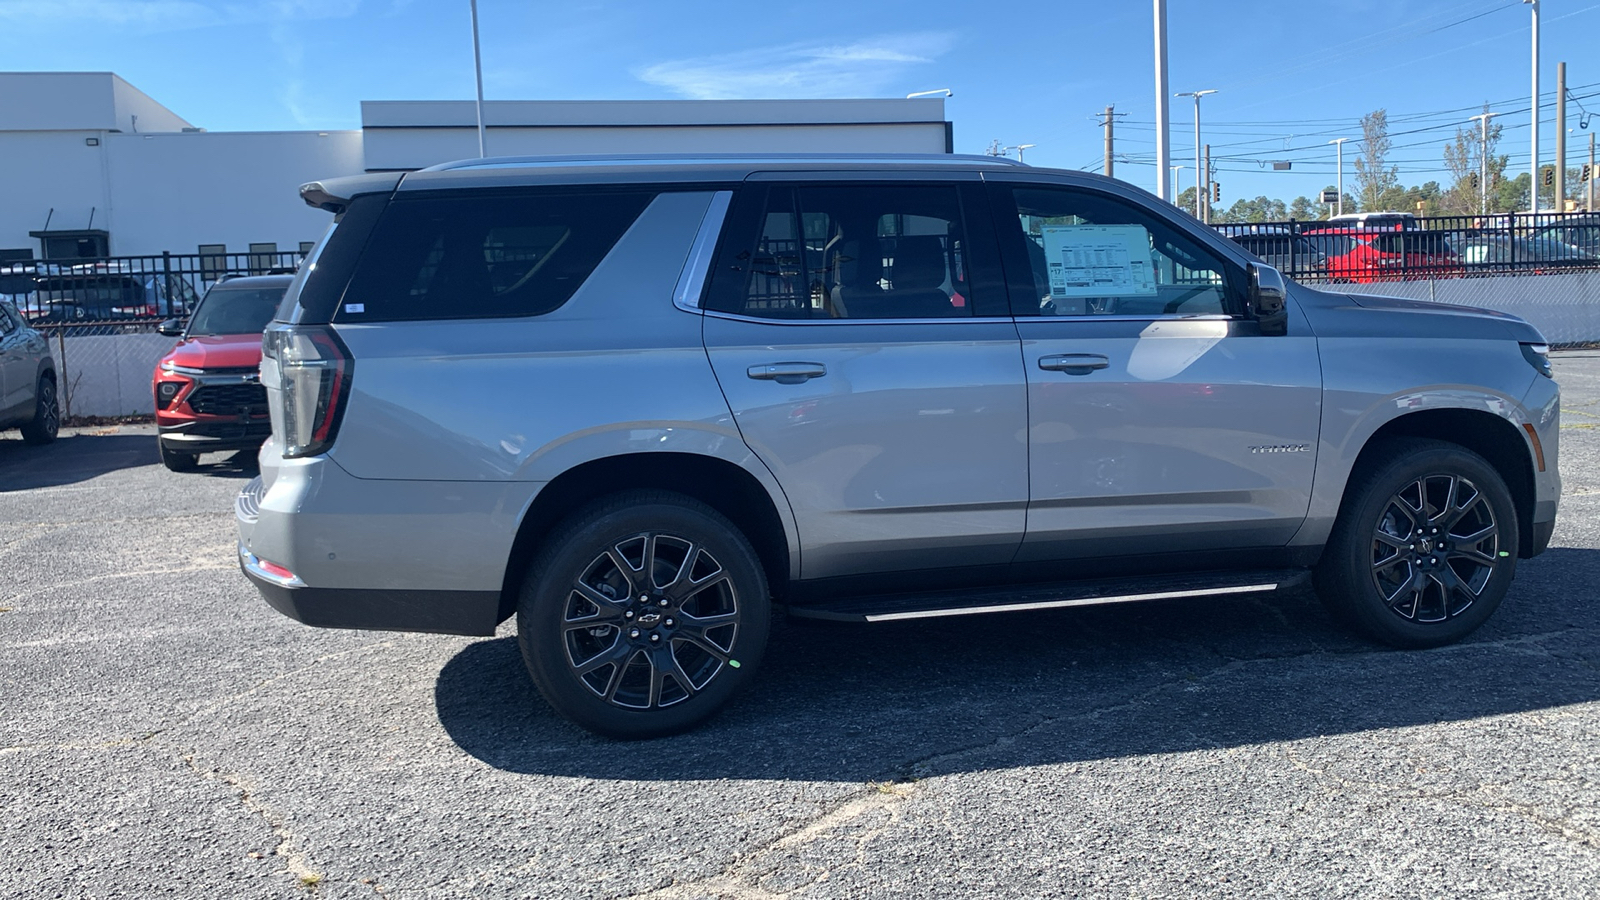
1073,363
787,372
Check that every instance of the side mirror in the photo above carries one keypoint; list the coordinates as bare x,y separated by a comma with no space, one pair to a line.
170,328
1269,300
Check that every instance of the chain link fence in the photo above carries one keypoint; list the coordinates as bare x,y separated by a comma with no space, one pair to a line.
104,369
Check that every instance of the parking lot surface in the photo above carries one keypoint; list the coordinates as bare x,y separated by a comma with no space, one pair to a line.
166,734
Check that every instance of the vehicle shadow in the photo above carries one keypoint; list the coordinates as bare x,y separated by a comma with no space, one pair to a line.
882,702
72,458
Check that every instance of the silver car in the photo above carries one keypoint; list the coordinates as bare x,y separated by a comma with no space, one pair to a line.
27,379
641,403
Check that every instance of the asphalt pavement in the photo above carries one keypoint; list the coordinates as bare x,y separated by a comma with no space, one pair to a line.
164,733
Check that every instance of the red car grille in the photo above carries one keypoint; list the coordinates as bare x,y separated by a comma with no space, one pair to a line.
229,400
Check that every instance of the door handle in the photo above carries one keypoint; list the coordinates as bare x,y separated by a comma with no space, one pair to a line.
787,372
1073,363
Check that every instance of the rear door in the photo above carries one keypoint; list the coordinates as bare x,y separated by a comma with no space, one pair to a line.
861,335
1160,418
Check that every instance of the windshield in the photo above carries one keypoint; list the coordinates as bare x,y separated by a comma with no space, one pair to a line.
235,311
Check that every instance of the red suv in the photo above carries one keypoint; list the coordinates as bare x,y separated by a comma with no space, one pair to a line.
1357,254
208,388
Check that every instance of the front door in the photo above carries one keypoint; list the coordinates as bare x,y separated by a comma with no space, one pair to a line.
1160,418
859,333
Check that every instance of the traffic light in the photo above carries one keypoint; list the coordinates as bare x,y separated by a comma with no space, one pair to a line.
1548,176
1216,192
1472,179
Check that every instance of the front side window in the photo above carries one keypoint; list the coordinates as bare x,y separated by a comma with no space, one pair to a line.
484,256
848,251
1087,254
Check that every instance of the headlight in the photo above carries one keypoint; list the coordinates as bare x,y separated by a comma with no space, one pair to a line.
1538,356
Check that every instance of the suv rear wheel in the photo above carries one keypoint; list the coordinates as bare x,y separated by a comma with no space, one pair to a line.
644,616
1424,548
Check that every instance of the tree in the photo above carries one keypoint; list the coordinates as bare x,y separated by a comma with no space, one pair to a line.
1374,180
1305,209
1185,202
1261,209
1469,157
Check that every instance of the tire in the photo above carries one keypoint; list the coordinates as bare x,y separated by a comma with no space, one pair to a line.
46,422
610,676
1424,548
178,462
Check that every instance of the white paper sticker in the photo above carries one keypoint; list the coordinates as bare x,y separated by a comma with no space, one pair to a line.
355,307
1098,260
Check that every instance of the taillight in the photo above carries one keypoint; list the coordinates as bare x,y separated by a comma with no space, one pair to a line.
313,379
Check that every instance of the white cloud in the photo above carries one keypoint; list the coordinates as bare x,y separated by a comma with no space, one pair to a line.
862,68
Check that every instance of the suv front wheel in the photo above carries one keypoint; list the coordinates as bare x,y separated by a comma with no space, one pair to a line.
1424,548
644,615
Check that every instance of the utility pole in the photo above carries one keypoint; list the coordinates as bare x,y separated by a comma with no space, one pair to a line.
1561,137
1109,123
1533,165
1206,200
1338,155
1589,205
1200,183
1163,117
1483,162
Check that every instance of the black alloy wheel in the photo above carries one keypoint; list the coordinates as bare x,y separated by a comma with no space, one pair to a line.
46,422
645,617
1425,545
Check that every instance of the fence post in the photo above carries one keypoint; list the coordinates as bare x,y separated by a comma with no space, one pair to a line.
62,375
166,270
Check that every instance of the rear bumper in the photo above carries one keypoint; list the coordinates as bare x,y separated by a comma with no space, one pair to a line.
474,613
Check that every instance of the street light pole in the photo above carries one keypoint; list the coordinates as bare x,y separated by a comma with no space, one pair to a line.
1483,162
1163,117
1533,166
1338,155
1200,186
477,65
1177,181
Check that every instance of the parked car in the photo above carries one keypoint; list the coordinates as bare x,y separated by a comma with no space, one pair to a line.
1582,232
1529,254
1375,221
1286,252
208,392
640,403
1362,255
27,379
86,295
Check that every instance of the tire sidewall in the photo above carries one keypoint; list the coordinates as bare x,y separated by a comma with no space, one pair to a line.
1355,595
543,597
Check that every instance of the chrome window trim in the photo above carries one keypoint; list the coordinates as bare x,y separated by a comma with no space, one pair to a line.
943,320
692,280
1209,317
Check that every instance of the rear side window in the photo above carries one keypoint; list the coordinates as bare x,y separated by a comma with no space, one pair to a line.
464,257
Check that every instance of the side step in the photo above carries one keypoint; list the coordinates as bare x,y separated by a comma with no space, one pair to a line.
1021,598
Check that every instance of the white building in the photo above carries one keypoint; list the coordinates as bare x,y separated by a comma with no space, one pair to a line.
94,167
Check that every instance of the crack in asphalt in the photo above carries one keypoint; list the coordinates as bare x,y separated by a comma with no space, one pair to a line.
296,862
1560,826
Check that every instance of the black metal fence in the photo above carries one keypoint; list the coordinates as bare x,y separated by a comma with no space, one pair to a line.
120,289
1418,248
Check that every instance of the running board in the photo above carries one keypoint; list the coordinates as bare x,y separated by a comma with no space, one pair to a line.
1028,598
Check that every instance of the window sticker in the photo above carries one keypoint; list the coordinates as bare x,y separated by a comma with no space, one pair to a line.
1098,260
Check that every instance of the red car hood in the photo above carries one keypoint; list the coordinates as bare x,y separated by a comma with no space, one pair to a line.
218,351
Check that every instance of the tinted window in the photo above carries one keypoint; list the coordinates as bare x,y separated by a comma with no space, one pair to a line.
484,256
1089,254
235,311
856,251
1412,242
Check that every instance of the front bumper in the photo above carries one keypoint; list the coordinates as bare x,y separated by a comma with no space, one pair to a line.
208,435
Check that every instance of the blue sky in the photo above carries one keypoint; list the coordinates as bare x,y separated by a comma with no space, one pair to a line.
1292,74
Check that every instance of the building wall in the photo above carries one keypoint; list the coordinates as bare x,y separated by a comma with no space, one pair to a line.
177,191
171,191
416,148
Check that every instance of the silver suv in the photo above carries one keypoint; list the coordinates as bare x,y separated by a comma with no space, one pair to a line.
640,403
27,379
